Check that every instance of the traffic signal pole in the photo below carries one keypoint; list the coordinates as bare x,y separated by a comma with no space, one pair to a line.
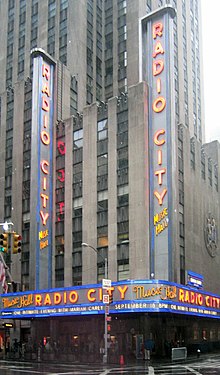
8,230
105,357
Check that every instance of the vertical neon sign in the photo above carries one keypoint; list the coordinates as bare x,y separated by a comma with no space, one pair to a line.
60,177
42,165
157,71
45,143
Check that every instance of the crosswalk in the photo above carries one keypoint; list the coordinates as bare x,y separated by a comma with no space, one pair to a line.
205,366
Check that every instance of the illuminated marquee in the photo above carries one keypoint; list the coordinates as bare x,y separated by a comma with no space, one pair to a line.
132,296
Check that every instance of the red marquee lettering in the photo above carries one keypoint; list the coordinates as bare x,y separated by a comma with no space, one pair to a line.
43,165
46,90
45,137
157,30
44,217
46,71
45,104
61,147
157,135
161,196
159,104
159,173
158,67
44,199
158,49
61,175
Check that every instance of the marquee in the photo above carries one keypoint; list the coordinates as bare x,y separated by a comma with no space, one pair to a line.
132,296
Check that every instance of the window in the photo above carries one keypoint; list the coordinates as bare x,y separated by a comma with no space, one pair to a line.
73,95
123,270
123,218
102,128
102,165
102,223
78,139
122,158
77,180
216,177
203,165
210,171
192,154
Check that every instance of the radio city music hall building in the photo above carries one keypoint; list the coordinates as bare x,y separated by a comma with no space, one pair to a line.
130,176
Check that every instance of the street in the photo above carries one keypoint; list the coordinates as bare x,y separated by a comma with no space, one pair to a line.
204,366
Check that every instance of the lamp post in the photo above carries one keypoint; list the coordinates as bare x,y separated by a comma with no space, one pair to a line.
105,356
7,226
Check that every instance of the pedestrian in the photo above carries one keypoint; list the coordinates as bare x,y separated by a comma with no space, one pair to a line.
101,349
48,346
148,347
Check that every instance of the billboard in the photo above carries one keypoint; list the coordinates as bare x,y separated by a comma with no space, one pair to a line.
42,166
156,69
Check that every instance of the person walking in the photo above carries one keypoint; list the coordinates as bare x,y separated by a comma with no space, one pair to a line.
148,347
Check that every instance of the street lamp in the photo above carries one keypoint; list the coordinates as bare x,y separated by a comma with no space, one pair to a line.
104,259
105,356
7,226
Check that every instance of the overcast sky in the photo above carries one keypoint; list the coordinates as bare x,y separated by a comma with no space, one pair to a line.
210,33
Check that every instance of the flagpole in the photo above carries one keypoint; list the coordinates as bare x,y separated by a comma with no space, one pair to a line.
6,269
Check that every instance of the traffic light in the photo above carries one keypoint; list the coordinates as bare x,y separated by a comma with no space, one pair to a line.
16,246
4,242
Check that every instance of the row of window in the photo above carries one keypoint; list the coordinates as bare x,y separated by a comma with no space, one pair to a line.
212,169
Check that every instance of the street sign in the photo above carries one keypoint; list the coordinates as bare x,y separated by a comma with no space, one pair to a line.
106,283
105,298
106,309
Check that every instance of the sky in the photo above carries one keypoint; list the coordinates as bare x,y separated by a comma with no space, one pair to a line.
211,71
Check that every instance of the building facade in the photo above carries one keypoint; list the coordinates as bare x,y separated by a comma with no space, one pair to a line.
102,142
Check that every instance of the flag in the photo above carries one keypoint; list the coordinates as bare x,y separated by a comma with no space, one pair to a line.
3,278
